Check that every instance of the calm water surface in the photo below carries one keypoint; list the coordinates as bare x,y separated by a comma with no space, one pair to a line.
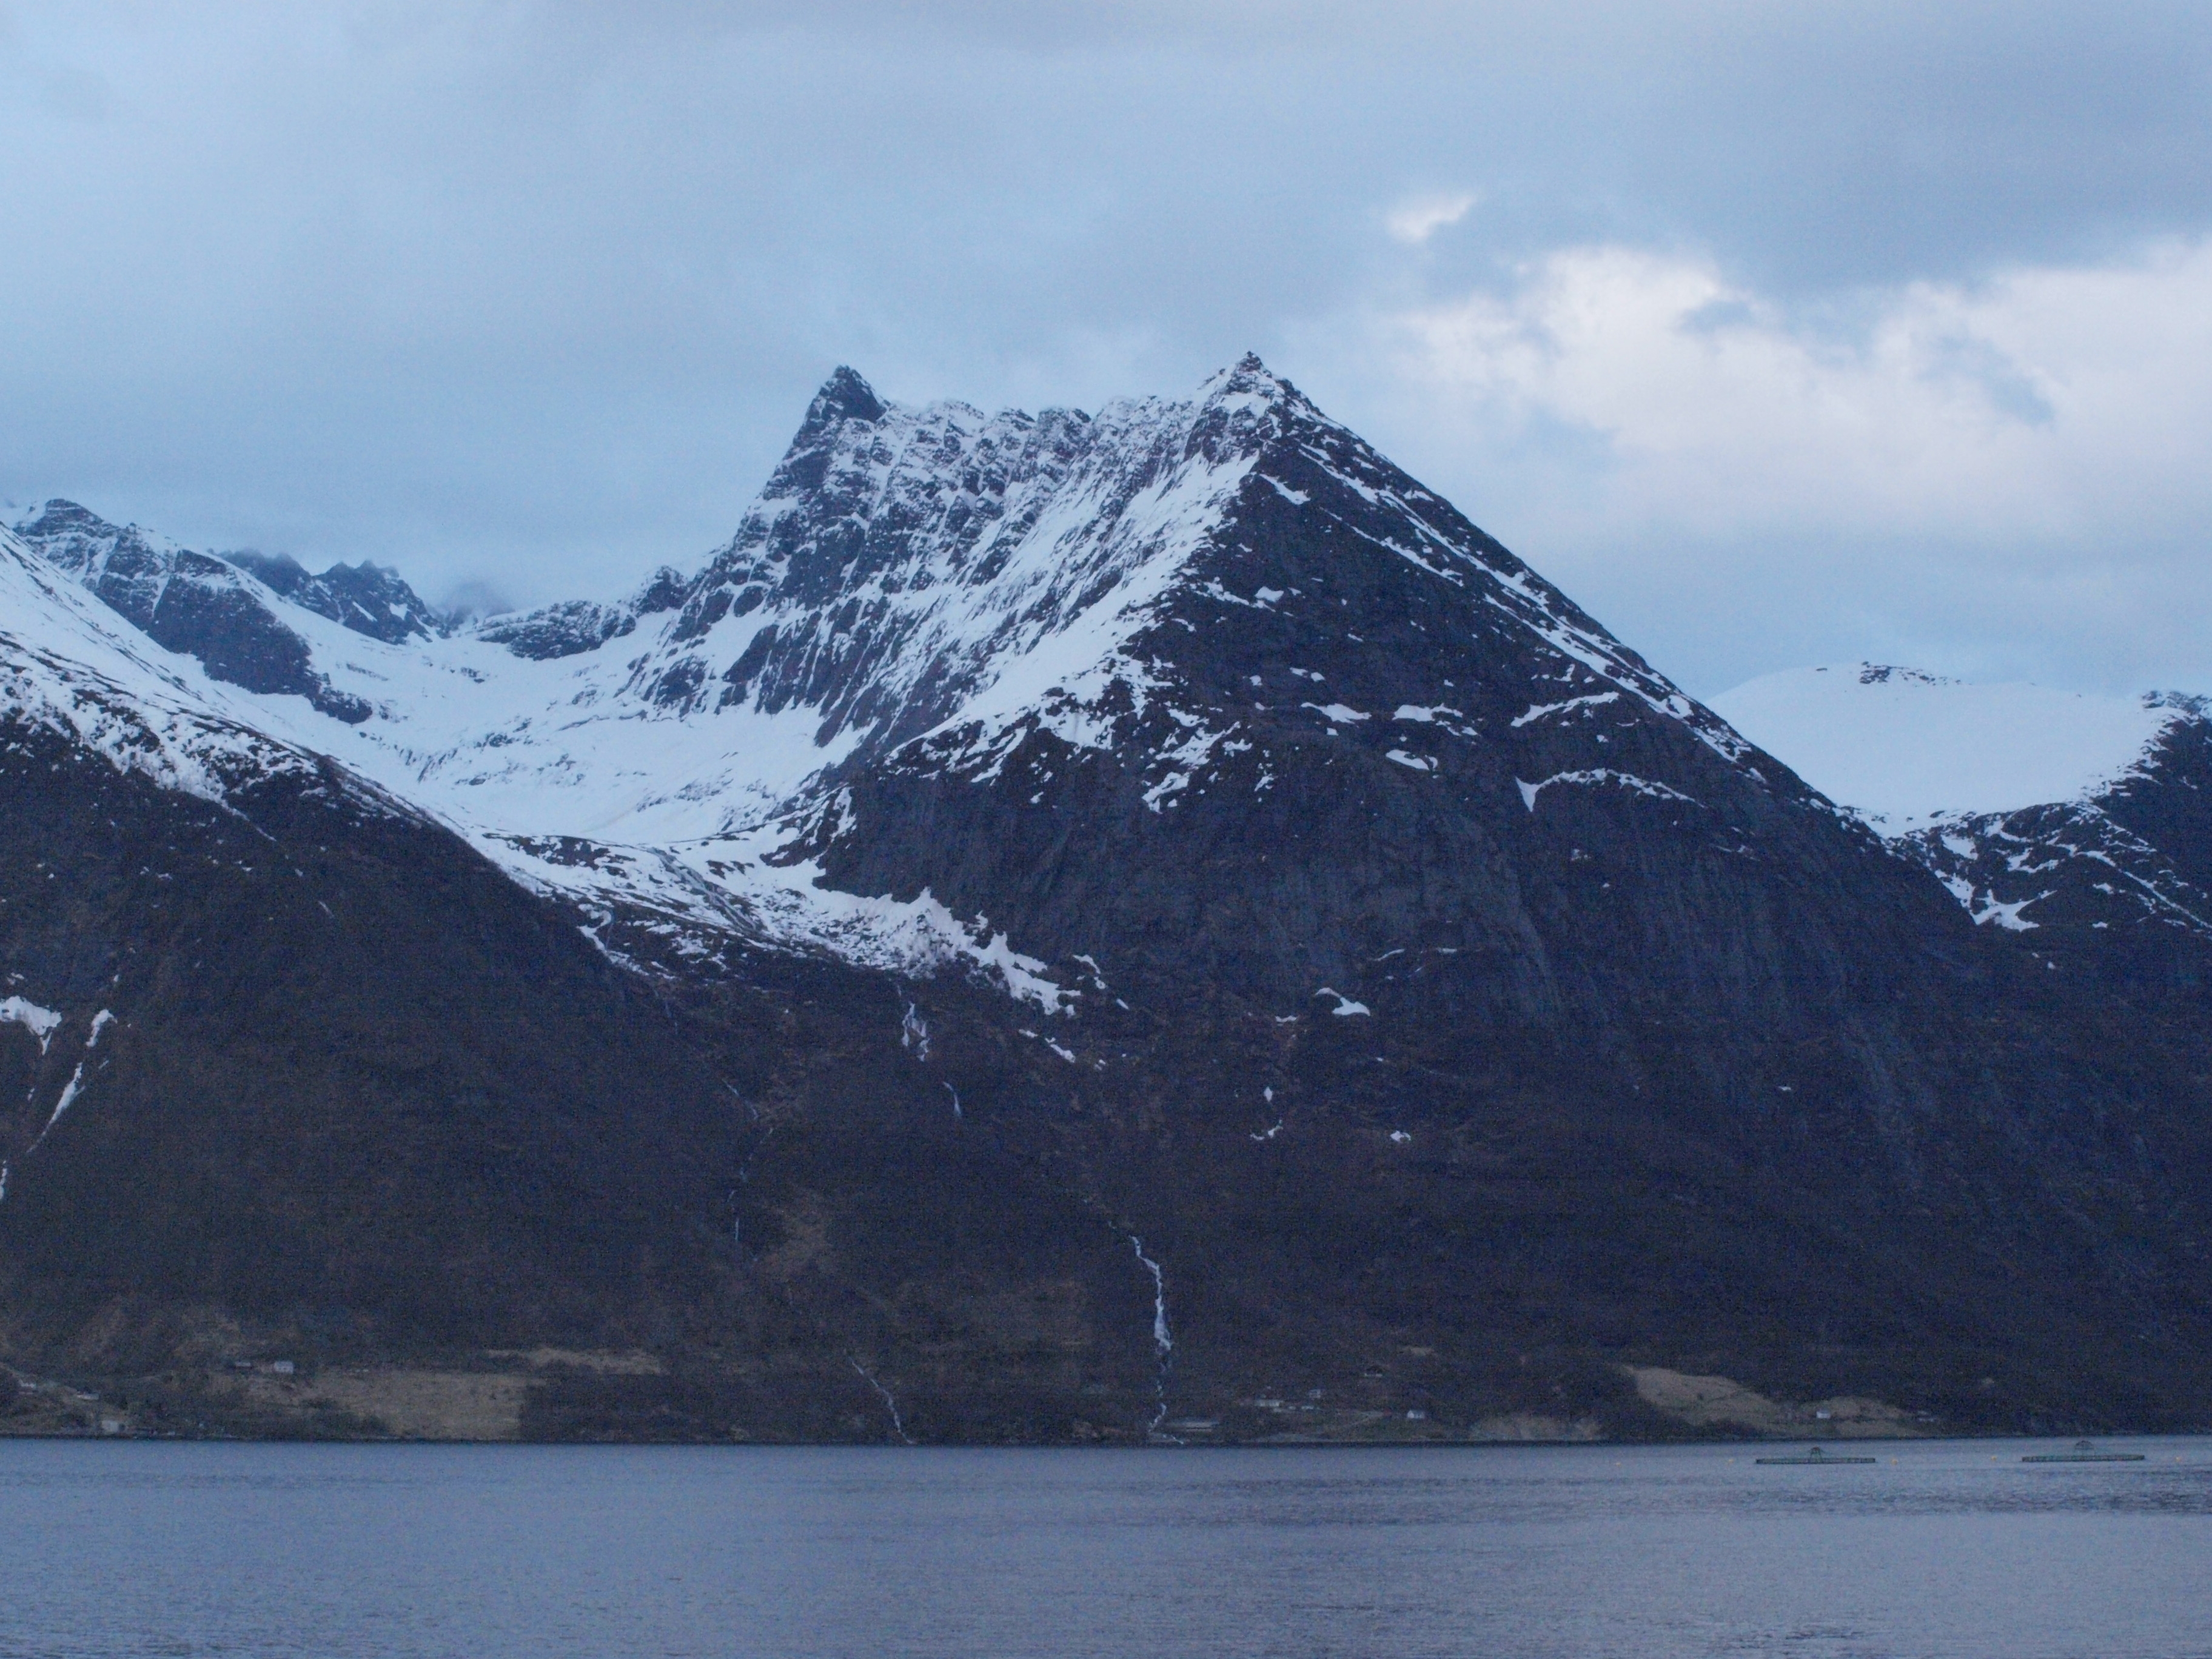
1940,1549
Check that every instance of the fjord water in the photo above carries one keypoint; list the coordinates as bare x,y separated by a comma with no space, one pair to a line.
1952,1548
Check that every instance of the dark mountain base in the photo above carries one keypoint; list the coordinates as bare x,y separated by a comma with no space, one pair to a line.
472,1161
366,1107
351,1083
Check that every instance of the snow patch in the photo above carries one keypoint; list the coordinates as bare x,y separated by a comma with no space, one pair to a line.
1601,775
2008,915
1543,709
71,1090
1184,762
40,1023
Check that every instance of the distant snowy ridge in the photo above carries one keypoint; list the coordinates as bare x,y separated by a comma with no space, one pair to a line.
2029,804
1909,750
230,611
130,568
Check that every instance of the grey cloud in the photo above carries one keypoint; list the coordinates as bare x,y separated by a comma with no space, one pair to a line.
469,599
533,293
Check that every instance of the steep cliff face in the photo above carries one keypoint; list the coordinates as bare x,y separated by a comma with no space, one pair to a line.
1067,924
1337,728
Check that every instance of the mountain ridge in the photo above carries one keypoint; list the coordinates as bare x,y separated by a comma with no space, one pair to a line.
1086,875
2078,808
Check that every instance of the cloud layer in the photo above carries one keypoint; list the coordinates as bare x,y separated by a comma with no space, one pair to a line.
2008,476
1774,331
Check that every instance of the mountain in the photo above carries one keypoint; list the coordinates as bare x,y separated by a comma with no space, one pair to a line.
133,572
300,1078
1143,923
2039,810
206,607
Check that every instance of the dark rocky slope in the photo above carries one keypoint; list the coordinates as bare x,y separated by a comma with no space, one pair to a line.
338,1092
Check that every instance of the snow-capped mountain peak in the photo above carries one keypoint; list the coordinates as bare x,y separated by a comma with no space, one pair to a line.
1202,589
902,560
132,569
234,612
75,667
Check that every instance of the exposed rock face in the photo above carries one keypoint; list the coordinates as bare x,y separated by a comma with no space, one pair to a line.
199,605
365,598
1349,736
1101,922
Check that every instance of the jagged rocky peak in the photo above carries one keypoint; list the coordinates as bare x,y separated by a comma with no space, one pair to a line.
130,569
939,479
897,553
126,566
368,598
844,397
875,504
70,534
902,559
194,603
1249,401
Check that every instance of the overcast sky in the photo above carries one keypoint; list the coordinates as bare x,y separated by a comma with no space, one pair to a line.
1775,333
